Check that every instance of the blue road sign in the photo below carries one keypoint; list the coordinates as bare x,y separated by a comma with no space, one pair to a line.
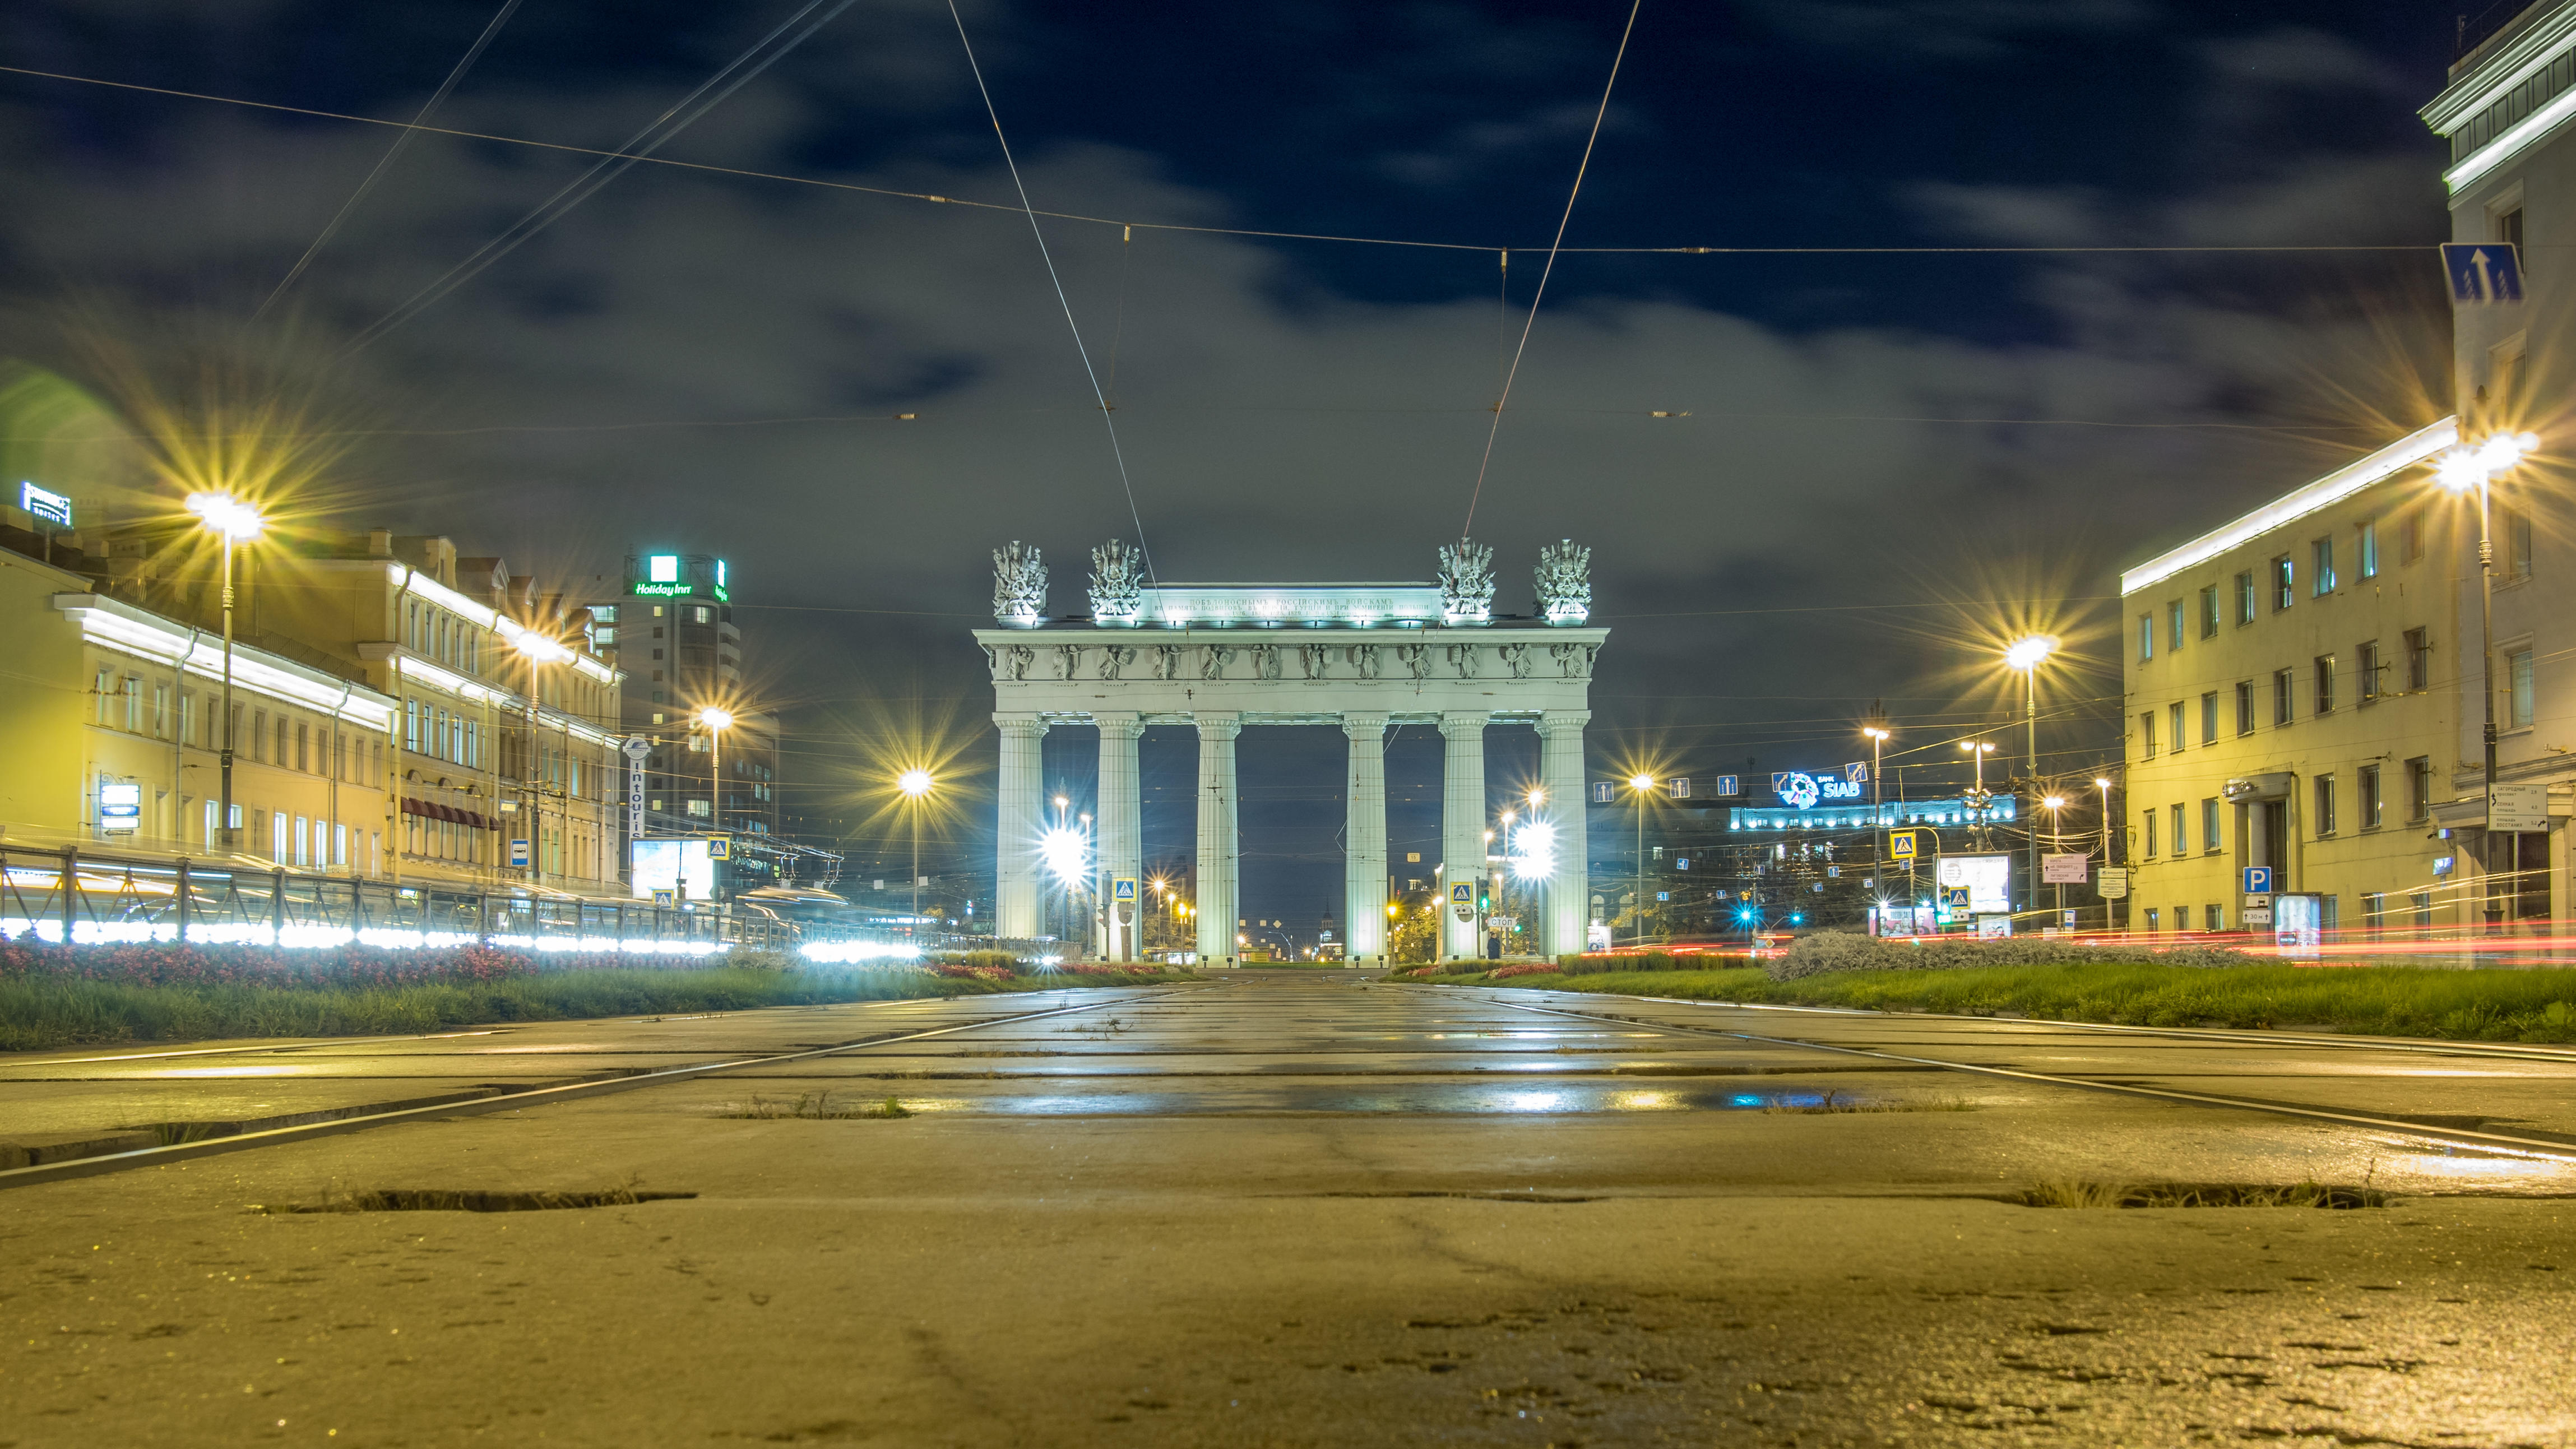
2258,880
1462,894
2483,272
1729,785
519,854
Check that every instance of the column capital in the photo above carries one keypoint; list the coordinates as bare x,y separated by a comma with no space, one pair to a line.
1363,724
1218,724
1028,725
1115,723
1459,721
1555,720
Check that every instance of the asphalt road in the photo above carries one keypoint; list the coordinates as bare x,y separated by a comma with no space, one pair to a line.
1297,1208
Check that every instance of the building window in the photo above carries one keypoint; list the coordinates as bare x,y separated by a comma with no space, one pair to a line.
2213,918
2419,788
2151,918
2147,845
2182,918
2368,547
259,735
2283,682
2174,716
2517,673
2209,824
2209,718
2181,824
2324,824
2322,582
2284,580
2147,735
2209,612
2410,535
281,742
2517,543
2325,666
2421,903
2173,624
2146,637
2374,909
303,747
2245,706
2419,660
2245,597
2366,683
2365,796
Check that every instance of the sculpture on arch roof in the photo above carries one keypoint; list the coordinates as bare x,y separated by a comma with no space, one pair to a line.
1019,585
1466,582
1117,583
1564,583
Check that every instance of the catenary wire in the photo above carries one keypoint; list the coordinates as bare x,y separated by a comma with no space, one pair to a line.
1108,419
1540,293
655,134
385,162
1277,235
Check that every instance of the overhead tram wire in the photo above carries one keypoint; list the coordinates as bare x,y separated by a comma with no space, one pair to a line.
1495,431
386,161
1257,232
658,132
1107,419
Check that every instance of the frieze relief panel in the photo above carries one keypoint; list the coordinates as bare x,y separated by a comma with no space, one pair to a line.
1299,663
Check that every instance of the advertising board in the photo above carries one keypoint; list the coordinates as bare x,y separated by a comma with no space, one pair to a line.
674,865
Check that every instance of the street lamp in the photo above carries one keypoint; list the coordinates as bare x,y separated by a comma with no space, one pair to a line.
2461,469
2026,654
537,649
234,521
2056,842
915,785
1878,738
1638,785
717,721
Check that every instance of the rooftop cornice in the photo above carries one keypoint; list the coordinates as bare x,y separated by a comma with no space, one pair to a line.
2540,41
2416,447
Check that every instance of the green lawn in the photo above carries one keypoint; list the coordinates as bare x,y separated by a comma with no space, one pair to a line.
2532,1006
39,1013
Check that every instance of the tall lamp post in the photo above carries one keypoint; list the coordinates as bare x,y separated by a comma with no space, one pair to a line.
1878,821
537,649
717,721
2103,784
2055,805
234,521
2460,470
2026,654
1638,786
915,785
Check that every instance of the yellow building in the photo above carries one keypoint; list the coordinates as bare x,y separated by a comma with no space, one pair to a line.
112,728
2294,687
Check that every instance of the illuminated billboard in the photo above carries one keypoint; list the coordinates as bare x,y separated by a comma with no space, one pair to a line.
668,865
678,576
1986,878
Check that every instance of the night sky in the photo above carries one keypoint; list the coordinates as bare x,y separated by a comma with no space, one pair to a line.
1887,456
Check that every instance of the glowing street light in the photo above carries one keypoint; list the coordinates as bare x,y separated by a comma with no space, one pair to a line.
2026,654
1639,786
537,649
716,721
2461,469
915,785
235,522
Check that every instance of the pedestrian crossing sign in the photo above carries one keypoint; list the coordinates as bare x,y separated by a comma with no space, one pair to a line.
1954,897
1900,845
1462,894
1123,890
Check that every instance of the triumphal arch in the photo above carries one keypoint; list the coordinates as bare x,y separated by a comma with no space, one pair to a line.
1362,657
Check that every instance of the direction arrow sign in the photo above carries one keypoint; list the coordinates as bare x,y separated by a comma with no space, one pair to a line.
2483,273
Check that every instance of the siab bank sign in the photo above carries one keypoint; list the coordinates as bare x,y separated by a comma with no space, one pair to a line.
1803,791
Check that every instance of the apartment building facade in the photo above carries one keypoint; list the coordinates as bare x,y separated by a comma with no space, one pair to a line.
2294,683
2506,115
113,728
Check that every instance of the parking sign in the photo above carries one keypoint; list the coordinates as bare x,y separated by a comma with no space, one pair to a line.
2258,880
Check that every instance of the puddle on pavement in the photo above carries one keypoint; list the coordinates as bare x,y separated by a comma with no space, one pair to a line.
1418,1099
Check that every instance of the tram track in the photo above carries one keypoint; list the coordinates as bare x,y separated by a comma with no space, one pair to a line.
363,1119
2555,1150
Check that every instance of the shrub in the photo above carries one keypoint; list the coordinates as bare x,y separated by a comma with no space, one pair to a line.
1833,951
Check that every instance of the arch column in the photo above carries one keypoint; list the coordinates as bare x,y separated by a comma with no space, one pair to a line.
1218,866
1015,837
1462,827
1364,841
1122,831
1562,774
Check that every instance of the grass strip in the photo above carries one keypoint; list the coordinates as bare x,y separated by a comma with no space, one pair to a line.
43,1013
2518,1006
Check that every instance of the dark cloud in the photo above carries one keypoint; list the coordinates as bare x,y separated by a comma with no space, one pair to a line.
1953,29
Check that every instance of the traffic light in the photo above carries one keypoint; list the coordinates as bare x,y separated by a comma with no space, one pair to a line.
1484,902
